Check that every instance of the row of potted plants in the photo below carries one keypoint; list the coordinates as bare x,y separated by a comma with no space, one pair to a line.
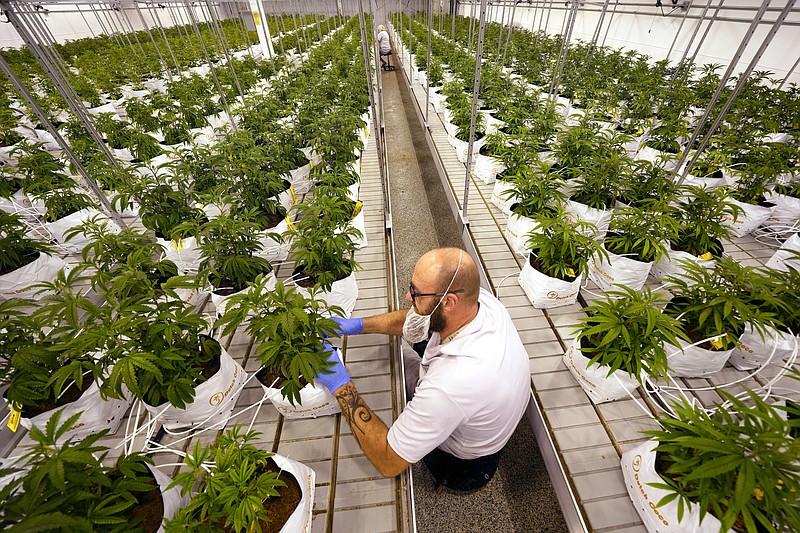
705,457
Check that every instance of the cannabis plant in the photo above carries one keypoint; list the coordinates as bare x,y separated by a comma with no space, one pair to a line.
738,462
643,232
18,249
703,219
322,244
627,332
717,302
535,190
290,328
235,480
561,249
64,485
228,247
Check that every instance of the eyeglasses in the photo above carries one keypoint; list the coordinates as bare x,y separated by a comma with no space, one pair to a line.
415,295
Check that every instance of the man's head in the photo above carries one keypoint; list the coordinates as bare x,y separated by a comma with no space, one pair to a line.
381,28
434,273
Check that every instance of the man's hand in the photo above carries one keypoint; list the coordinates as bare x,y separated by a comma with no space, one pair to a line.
335,375
349,326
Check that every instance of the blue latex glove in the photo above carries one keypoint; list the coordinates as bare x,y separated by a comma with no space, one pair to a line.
335,375
349,326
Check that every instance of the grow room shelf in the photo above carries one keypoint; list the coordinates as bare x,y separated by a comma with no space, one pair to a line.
581,442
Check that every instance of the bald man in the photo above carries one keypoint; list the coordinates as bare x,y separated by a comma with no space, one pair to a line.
470,388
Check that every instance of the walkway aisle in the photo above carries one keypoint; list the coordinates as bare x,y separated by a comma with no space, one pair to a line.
520,497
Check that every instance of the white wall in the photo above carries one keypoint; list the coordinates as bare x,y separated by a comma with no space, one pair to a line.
70,22
646,30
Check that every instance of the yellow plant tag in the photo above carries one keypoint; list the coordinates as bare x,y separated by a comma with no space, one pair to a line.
357,209
290,223
639,132
178,244
310,163
13,420
294,194
707,256
716,342
570,273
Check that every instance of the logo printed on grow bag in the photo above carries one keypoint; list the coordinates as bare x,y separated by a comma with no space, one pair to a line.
217,398
637,465
555,296
570,354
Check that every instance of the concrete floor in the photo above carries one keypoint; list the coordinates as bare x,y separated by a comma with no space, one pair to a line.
520,498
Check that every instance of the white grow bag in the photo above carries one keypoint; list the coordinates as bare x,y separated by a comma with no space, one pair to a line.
96,414
300,519
220,301
20,203
618,270
76,244
595,379
462,148
486,168
360,224
784,258
315,400
171,498
502,195
213,403
300,179
690,361
752,351
272,249
183,252
343,293
670,265
750,217
19,283
601,218
638,471
517,230
785,214
545,292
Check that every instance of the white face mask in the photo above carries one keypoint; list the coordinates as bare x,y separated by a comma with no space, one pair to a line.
416,327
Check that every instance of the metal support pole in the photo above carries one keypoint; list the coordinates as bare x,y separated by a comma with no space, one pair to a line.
791,70
734,60
377,125
475,93
91,31
166,42
740,84
697,29
510,31
223,99
471,24
152,39
453,21
502,25
596,34
547,22
562,58
44,55
705,34
279,32
133,32
100,22
42,116
677,33
218,29
610,20
428,78
123,30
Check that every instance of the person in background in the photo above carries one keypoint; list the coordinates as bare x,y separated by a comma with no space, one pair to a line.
384,48
468,391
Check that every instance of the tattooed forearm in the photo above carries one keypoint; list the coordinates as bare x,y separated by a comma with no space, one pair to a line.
353,407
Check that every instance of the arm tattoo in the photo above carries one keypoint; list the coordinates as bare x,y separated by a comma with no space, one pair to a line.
353,407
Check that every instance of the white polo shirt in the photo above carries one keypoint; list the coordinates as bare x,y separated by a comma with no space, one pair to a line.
472,391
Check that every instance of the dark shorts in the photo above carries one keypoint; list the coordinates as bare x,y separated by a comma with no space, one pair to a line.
461,474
